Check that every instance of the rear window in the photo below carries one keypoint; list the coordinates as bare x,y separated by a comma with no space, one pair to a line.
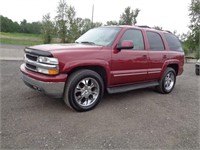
173,42
155,41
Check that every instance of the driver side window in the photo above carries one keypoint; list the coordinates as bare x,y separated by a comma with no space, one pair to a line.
135,36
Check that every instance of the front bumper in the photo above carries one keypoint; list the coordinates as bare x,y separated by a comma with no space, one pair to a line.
52,86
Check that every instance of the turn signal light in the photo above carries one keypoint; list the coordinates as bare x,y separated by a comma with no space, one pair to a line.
53,72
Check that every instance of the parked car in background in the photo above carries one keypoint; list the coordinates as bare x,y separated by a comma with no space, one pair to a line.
197,67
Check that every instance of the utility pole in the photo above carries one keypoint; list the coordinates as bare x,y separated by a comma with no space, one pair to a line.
92,13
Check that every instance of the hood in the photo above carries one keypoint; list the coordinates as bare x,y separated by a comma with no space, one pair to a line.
74,46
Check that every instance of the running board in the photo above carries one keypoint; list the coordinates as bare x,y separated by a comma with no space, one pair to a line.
125,88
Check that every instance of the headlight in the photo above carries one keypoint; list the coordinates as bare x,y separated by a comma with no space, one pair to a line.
50,65
48,60
198,60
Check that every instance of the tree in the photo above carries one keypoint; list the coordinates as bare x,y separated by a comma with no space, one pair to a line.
62,20
191,40
72,28
34,27
23,26
7,25
157,28
66,22
194,37
47,28
108,23
129,16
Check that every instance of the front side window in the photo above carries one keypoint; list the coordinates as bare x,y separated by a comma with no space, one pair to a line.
135,36
155,41
173,42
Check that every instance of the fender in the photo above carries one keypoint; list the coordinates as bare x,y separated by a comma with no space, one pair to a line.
167,63
86,63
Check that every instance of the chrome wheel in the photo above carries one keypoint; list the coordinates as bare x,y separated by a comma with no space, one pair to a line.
86,92
169,81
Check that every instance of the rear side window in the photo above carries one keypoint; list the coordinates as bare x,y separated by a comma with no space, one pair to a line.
173,42
155,41
135,36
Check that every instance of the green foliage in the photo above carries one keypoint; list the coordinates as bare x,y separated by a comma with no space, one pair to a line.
47,28
194,36
62,20
7,25
109,23
191,40
129,16
157,28
72,29
65,26
69,28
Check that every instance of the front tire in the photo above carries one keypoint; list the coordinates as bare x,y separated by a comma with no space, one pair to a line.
84,90
167,81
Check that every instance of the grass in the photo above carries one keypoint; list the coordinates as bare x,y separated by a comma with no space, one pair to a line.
23,39
20,38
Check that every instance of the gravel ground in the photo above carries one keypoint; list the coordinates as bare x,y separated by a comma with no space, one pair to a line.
141,119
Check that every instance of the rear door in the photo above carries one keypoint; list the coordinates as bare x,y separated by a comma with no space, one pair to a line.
157,54
130,65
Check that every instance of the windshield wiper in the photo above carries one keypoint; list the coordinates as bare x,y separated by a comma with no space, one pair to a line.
87,42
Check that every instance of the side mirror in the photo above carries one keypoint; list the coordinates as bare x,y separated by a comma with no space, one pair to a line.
125,44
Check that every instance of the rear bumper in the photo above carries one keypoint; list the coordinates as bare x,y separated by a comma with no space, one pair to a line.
54,88
197,66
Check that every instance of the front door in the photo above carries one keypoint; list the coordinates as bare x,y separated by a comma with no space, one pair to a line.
130,65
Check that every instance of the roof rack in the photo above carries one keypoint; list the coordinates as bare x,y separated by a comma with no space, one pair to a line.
167,31
144,26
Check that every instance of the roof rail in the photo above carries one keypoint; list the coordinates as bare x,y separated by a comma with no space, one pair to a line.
144,26
167,31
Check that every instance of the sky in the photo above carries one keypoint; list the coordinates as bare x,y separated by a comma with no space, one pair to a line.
168,14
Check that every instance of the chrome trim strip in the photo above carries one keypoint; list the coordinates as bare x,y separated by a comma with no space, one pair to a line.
153,72
130,74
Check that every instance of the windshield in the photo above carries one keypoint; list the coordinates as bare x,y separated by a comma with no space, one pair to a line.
103,36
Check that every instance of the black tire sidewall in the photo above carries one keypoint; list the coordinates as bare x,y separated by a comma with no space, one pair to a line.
168,70
197,72
77,77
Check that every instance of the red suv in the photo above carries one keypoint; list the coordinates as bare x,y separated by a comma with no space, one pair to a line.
113,59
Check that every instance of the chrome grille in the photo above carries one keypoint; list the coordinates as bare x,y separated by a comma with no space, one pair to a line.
32,57
31,67
32,63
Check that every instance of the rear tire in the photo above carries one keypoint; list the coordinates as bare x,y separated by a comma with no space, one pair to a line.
84,90
167,81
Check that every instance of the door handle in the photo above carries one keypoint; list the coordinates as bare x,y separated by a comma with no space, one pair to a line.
145,56
165,56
